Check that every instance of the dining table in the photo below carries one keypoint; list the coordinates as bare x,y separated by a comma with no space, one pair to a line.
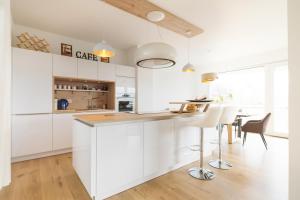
183,105
238,124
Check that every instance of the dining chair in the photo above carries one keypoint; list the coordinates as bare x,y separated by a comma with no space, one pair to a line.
257,126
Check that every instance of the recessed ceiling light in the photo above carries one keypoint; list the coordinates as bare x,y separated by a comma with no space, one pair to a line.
155,16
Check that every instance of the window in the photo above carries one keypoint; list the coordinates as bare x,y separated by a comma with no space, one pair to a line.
245,88
257,91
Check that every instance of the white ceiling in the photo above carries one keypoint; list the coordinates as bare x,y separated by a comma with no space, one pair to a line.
233,28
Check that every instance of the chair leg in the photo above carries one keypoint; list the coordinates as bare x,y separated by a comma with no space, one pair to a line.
235,131
245,137
264,140
200,172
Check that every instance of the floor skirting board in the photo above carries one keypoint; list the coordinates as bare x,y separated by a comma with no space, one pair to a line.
40,155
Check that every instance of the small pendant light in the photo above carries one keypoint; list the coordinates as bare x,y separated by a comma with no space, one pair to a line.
188,67
209,77
103,49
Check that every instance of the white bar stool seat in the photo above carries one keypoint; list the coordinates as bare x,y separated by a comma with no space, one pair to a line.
210,119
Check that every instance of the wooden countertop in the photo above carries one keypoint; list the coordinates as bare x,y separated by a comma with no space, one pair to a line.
100,119
83,111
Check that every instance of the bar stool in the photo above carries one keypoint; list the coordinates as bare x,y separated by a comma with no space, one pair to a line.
228,117
208,120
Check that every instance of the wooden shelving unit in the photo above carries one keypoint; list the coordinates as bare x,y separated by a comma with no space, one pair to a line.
88,93
72,90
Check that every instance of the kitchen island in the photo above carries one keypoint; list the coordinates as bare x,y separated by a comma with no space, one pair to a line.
114,152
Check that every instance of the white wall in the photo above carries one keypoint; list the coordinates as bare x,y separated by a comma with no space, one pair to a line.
173,85
5,69
156,88
271,56
55,40
294,98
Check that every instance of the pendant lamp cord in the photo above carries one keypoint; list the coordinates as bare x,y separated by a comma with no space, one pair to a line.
159,33
188,49
102,34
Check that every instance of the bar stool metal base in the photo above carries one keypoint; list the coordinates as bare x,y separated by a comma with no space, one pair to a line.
219,164
202,174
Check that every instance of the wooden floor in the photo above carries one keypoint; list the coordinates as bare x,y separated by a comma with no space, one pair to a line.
257,175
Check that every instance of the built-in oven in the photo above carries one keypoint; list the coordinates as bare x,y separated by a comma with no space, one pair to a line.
126,104
125,92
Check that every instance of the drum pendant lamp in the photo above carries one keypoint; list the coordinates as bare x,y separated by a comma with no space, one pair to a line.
156,55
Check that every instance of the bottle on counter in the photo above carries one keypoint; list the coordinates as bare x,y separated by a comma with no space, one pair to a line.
55,104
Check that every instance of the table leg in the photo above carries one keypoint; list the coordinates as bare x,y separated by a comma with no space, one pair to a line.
239,127
229,130
182,108
206,108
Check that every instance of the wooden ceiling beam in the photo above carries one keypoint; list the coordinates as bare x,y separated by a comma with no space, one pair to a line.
141,8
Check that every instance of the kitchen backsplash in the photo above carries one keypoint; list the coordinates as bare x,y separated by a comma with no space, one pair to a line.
82,100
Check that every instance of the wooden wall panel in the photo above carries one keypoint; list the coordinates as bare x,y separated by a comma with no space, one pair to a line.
141,8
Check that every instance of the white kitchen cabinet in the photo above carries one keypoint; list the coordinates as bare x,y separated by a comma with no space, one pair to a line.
145,90
120,153
125,85
84,155
110,157
31,134
125,71
31,82
106,71
130,85
87,69
120,85
63,128
64,66
159,143
186,136
62,131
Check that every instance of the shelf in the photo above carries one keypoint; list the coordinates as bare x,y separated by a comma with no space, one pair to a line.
99,91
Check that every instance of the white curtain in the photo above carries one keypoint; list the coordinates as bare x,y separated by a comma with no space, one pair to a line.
5,88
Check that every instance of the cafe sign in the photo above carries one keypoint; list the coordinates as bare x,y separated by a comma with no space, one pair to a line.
67,50
87,56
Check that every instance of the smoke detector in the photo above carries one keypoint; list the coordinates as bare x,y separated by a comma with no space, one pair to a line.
156,16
